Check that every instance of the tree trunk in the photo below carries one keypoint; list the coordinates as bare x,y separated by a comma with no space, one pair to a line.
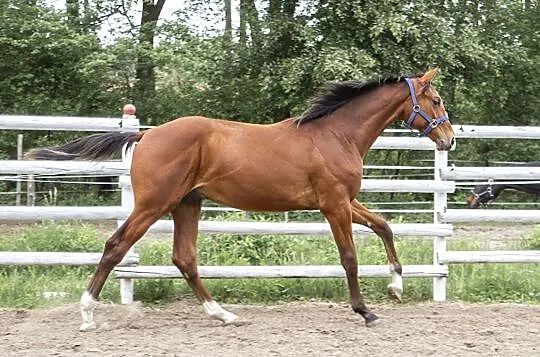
274,8
289,6
249,15
73,15
228,20
89,19
145,73
242,32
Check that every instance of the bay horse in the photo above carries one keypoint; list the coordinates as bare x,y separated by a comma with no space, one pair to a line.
313,161
484,193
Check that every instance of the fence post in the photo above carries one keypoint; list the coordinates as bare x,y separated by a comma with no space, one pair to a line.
30,191
127,202
19,157
439,243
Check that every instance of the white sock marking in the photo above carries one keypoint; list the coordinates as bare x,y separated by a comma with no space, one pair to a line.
397,280
88,303
215,311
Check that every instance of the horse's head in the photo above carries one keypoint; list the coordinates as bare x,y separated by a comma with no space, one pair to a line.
427,113
482,194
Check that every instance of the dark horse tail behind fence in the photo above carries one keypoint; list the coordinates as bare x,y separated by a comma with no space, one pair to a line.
482,194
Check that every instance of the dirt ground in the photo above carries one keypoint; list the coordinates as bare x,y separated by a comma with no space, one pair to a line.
295,329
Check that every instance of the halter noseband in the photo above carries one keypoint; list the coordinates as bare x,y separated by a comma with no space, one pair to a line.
416,110
488,191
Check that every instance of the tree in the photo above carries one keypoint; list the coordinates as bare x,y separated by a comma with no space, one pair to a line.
145,67
227,34
72,10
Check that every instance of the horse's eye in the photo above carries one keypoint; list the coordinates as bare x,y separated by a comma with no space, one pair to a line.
437,101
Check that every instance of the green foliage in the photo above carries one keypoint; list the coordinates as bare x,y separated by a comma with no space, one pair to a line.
54,237
488,55
495,282
39,63
34,286
532,242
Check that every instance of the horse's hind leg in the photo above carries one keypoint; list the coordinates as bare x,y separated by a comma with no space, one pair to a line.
186,218
115,250
363,216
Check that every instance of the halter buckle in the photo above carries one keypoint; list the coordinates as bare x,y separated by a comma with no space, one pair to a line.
489,189
416,108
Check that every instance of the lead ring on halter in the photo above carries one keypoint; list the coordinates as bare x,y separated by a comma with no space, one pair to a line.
417,110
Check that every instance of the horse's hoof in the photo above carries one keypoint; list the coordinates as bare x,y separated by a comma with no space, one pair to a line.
228,318
236,322
87,326
371,319
395,293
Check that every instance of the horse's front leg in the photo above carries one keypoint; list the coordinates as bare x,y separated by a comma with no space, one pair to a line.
363,216
340,219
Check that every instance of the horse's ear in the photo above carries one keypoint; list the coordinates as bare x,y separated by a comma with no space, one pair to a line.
428,76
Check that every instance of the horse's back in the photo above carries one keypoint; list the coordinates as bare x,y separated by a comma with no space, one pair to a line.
237,164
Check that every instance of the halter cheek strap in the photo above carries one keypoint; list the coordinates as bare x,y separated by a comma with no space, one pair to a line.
416,110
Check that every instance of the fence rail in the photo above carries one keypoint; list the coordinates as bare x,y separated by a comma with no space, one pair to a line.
49,167
33,122
297,228
59,258
492,256
496,132
490,215
486,173
281,271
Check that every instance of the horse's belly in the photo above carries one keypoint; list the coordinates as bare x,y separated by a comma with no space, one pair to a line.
264,196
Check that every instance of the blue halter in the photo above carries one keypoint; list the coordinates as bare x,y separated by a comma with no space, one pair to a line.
416,110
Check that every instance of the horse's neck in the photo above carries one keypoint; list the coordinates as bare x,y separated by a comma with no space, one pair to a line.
496,189
532,188
365,118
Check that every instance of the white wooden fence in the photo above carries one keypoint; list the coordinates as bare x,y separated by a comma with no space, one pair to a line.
32,122
21,213
441,255
59,258
442,184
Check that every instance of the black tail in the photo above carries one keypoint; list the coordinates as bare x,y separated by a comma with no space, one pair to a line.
92,147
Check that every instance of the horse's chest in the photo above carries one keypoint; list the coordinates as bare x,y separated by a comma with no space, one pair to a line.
343,178
351,182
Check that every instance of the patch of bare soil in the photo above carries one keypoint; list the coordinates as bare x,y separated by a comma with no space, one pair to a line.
494,235
295,329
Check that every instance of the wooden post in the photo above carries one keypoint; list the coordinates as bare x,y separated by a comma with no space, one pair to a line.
19,157
439,243
30,191
128,202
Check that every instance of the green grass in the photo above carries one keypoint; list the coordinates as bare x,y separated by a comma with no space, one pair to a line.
25,286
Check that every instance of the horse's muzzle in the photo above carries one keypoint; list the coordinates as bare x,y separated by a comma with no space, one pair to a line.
445,144
473,202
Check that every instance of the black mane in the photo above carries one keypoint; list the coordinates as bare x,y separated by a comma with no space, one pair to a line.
336,94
